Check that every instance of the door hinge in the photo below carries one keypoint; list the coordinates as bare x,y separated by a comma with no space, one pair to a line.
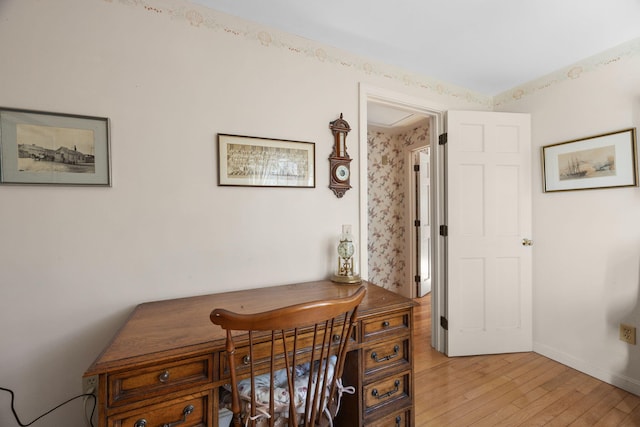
444,323
444,230
442,139
416,223
416,168
417,279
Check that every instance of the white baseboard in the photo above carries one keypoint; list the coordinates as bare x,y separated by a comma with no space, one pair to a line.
629,384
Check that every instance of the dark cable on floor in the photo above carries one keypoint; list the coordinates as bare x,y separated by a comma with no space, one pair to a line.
15,414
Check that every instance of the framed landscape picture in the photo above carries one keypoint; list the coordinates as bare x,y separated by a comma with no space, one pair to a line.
263,162
601,161
50,148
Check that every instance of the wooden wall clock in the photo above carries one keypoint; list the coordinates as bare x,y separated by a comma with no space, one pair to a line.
339,161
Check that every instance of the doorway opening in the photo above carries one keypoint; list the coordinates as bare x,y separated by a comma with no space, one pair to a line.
397,139
420,238
396,131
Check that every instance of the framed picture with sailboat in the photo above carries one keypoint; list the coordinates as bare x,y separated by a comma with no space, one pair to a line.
601,161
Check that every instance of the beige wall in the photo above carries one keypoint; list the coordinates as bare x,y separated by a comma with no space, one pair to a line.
173,75
170,76
586,243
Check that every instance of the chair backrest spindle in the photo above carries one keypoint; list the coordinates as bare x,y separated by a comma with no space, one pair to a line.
296,356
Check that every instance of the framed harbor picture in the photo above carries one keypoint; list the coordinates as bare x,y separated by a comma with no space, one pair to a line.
263,162
39,147
600,161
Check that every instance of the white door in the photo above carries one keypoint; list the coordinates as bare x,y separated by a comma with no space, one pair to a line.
488,214
423,224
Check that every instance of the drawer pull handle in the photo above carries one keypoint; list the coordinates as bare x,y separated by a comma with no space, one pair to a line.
374,392
186,411
336,338
385,324
398,420
246,360
140,423
396,349
164,377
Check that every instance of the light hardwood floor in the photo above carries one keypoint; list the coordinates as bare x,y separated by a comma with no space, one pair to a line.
520,389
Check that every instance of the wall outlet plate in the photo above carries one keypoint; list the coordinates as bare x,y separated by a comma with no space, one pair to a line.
90,384
628,333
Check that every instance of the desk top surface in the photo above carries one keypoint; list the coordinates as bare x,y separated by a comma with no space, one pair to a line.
181,327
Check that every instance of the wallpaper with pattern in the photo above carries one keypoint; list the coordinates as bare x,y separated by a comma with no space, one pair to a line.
386,206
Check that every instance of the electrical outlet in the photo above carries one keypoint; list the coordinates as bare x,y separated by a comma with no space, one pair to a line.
628,333
90,384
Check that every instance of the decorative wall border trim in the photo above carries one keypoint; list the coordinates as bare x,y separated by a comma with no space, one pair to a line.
202,17
571,72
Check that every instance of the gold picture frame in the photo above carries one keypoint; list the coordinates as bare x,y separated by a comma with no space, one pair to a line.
602,161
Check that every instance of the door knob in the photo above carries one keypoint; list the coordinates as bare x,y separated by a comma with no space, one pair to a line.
527,242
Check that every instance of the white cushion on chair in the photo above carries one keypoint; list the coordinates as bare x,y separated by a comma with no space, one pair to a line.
281,391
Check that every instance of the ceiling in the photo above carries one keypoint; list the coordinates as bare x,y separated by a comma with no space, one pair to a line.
484,45
391,118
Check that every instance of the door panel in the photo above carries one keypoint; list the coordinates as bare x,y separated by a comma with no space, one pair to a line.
424,217
488,214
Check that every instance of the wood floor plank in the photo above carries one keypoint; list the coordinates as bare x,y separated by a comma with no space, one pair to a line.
514,391
608,400
549,413
629,403
613,418
573,381
631,420
491,402
449,398
544,409
517,389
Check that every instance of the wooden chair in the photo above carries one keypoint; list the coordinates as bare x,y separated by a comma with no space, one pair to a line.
283,352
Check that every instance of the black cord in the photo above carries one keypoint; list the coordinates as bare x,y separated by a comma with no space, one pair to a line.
15,414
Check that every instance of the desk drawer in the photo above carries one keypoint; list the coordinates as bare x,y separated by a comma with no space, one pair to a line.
390,324
391,389
262,354
128,386
386,354
187,411
400,419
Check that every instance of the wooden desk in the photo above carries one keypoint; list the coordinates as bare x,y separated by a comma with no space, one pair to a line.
167,362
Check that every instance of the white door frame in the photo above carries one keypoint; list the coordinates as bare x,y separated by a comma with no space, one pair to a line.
437,114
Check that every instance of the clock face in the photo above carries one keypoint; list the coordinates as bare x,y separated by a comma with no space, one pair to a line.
342,172
346,249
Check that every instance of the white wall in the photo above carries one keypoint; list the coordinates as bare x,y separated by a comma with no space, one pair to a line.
74,261
586,243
